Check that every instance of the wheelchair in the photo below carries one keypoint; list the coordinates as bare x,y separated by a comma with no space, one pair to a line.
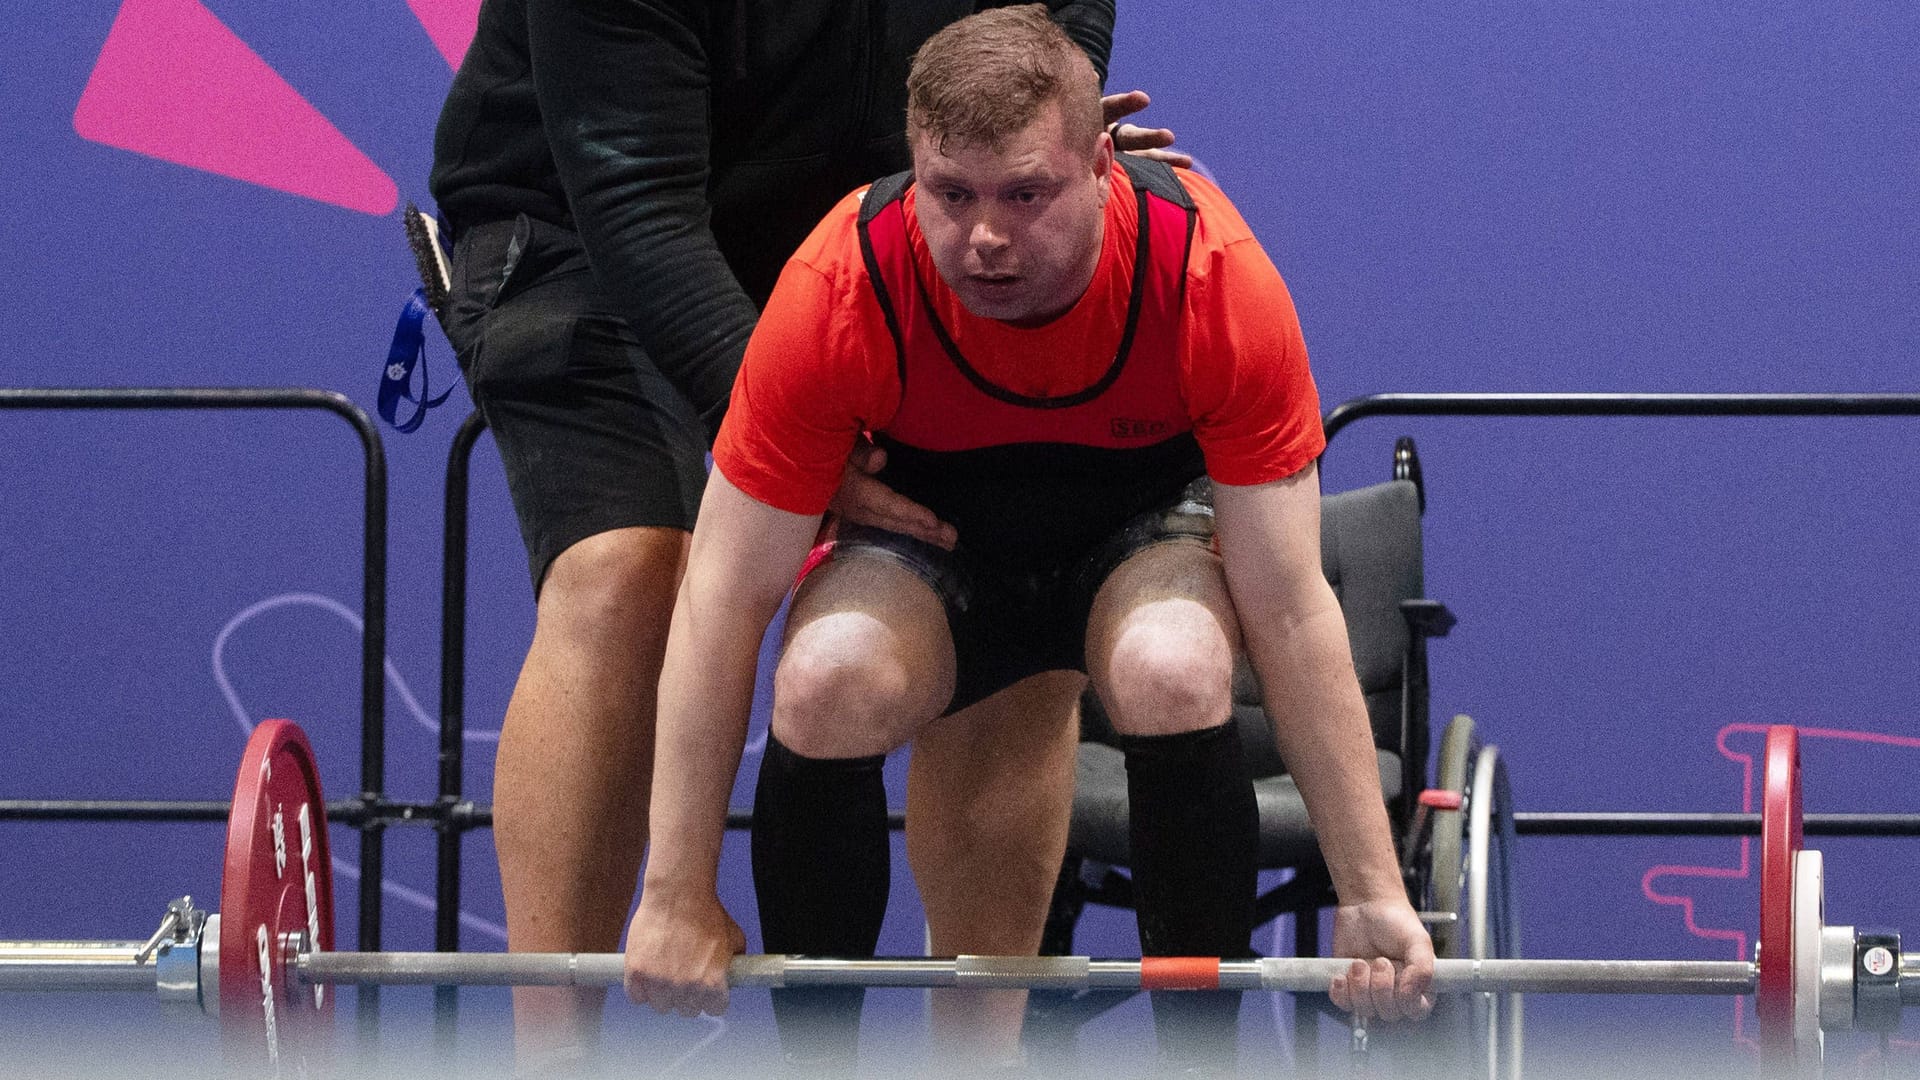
1454,831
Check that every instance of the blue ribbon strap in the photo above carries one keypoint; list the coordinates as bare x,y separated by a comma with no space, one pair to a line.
409,349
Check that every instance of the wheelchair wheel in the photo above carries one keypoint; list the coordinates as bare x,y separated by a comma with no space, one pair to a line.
1492,925
1470,878
1446,857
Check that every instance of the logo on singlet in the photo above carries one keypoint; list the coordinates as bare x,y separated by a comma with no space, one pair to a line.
1122,428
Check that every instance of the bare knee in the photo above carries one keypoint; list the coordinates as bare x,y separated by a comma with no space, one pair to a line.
614,589
1163,679
838,693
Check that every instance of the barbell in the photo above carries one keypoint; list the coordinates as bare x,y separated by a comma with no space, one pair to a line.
265,963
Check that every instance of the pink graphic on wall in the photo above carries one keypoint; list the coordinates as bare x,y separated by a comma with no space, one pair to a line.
1663,884
449,23
174,83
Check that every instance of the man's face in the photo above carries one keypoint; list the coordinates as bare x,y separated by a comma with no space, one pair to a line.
1015,231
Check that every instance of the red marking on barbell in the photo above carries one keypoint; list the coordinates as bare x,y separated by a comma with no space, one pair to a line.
1179,973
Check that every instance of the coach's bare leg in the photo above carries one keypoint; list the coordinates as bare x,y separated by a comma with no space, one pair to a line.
572,776
989,792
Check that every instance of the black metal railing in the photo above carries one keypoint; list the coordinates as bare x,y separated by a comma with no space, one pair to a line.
452,815
371,815
1651,405
1338,419
1644,405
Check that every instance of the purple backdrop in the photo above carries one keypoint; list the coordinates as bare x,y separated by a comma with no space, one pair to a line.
1497,197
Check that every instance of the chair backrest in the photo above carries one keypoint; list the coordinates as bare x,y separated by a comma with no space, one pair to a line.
1370,550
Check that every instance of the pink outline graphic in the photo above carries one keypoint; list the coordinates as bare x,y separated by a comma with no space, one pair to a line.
173,82
1745,869
450,24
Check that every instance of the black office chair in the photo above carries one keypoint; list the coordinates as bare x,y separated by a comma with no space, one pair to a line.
1371,553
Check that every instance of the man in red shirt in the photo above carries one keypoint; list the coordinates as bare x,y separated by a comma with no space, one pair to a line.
1096,375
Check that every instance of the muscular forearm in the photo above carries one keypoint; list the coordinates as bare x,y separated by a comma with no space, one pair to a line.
743,559
1296,637
1320,719
706,693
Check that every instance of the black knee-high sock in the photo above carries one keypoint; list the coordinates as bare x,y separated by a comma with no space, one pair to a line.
820,874
1195,835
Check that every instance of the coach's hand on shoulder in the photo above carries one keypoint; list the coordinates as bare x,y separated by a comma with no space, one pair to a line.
1393,979
865,500
677,952
1134,139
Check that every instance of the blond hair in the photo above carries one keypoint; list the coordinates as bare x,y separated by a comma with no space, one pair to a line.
986,77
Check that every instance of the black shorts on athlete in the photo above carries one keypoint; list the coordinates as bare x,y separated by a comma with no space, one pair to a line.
1010,623
592,435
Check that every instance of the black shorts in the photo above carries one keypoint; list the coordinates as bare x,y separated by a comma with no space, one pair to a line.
593,436
1009,623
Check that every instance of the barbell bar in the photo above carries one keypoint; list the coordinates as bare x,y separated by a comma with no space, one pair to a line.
1290,974
265,963
115,966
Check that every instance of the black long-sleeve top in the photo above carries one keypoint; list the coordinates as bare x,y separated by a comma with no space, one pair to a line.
691,143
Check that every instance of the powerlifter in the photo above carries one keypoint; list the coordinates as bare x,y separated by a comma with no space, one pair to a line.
1097,376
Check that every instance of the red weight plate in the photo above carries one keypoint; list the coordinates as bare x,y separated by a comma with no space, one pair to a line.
278,880
1780,838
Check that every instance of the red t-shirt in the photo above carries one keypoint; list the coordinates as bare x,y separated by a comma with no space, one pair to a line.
821,367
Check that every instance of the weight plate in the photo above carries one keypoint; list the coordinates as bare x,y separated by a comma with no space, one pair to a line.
1809,922
1780,841
278,881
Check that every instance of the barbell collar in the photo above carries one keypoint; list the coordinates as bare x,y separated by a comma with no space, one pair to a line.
1881,980
169,961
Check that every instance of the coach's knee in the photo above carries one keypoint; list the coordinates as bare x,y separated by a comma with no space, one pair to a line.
614,586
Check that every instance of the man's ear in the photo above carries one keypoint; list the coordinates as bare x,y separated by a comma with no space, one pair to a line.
1103,164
